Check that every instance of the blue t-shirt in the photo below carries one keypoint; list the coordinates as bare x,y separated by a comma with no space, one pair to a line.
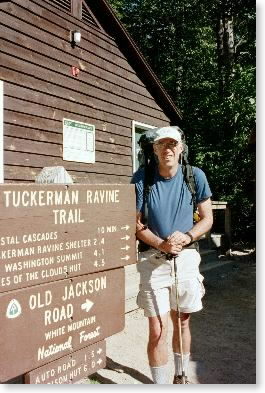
170,206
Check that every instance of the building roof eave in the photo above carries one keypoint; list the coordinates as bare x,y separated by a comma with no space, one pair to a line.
104,13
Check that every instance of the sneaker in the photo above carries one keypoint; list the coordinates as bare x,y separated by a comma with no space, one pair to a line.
178,380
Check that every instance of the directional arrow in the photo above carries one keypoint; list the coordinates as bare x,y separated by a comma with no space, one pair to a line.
99,361
87,305
125,248
127,237
126,258
99,351
126,227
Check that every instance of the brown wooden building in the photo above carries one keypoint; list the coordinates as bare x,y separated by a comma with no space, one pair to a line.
79,106
102,85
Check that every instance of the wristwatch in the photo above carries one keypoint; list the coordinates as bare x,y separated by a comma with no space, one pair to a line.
190,236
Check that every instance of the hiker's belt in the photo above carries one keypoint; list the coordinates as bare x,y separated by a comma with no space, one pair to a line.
193,245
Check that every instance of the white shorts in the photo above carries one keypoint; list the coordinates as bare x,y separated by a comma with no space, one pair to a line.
157,293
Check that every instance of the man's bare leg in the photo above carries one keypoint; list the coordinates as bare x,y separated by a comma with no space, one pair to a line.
186,342
157,348
185,330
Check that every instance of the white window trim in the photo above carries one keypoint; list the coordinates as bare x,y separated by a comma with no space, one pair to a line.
1,131
144,127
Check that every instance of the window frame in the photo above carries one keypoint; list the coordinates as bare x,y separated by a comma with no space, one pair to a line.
144,127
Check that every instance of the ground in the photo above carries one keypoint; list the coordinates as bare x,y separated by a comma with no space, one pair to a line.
223,334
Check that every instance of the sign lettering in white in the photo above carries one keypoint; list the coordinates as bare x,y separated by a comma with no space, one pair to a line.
70,368
51,232
46,322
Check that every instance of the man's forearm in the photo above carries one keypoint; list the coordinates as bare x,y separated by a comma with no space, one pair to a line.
149,237
200,228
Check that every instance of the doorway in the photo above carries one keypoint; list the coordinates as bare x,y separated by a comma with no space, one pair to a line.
137,130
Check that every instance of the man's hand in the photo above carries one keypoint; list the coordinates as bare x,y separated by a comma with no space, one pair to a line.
179,238
169,248
172,245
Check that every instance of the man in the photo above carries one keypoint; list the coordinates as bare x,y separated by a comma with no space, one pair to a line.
170,231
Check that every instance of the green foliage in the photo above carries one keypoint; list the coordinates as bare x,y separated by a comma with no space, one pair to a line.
179,40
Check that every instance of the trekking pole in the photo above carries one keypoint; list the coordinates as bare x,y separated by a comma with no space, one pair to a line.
179,321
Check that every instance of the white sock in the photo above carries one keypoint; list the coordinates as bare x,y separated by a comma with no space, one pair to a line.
177,360
160,374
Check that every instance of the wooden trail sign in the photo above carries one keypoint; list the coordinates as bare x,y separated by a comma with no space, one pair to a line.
46,322
71,368
51,232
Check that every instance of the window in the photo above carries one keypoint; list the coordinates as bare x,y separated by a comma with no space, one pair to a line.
137,130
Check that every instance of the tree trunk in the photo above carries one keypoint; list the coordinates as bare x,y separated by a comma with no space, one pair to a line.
225,45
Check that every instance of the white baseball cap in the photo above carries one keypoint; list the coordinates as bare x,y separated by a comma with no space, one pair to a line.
172,132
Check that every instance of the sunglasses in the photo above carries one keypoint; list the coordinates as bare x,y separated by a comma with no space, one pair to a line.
169,145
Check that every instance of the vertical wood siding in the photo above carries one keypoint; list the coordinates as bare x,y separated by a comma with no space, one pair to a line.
39,91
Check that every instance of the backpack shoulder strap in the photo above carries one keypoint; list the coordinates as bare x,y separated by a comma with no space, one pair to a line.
188,175
190,181
149,176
